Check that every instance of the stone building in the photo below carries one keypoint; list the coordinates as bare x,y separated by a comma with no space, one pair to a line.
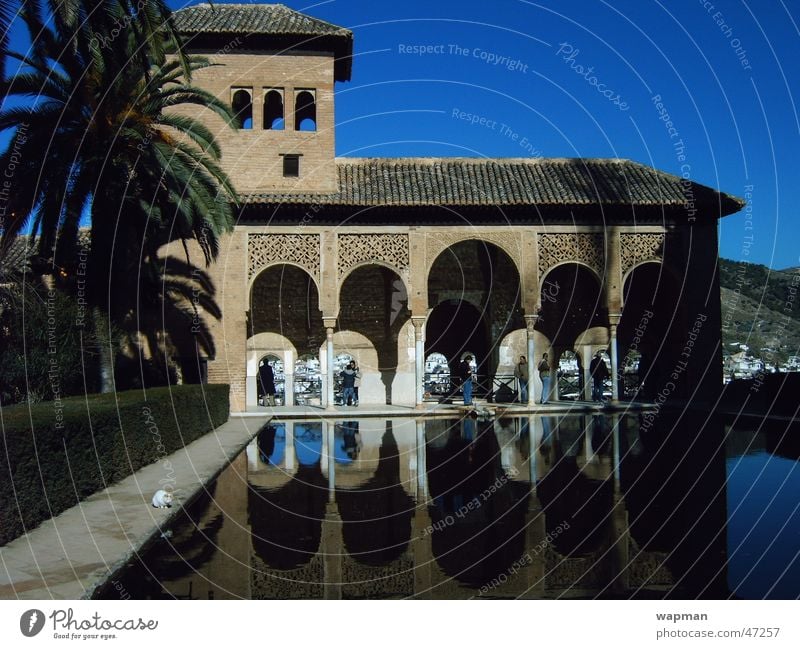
389,260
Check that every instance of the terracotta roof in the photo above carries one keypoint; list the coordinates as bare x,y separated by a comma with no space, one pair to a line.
263,27
461,182
252,19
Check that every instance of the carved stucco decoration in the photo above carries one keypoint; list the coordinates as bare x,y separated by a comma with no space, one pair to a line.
390,249
300,249
583,247
636,248
509,242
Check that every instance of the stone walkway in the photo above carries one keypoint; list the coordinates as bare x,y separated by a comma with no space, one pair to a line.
70,555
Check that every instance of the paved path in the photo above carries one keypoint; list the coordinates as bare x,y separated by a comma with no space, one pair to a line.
70,555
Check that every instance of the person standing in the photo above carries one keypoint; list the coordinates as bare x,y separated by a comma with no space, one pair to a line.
465,374
544,375
348,376
521,373
267,377
356,384
599,373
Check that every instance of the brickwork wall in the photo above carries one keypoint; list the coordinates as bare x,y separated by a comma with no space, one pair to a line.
251,157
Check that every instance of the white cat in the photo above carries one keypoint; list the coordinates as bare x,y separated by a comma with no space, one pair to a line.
162,499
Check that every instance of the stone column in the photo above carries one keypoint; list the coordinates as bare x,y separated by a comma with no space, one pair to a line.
329,323
419,359
328,432
288,378
530,324
422,467
612,334
586,359
613,295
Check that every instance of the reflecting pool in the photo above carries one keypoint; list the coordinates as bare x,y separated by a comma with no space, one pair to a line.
649,505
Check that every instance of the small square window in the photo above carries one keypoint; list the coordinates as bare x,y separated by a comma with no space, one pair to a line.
291,166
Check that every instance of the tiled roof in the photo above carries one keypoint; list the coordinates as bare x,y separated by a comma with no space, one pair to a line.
274,19
461,182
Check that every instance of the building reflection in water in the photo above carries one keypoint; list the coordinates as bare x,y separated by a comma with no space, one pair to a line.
557,506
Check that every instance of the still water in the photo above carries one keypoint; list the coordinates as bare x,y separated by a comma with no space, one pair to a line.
612,506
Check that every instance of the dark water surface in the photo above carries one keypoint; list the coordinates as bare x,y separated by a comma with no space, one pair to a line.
571,506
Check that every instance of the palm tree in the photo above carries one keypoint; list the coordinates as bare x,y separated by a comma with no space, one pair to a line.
6,11
100,135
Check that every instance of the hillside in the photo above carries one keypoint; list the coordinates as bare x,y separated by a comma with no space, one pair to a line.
754,303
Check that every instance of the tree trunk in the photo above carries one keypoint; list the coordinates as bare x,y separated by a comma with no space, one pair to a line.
104,349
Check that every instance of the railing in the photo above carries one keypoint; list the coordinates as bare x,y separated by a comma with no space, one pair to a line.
570,386
307,391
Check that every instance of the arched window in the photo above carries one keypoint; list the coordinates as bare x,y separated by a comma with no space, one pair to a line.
307,380
437,374
273,110
242,104
305,111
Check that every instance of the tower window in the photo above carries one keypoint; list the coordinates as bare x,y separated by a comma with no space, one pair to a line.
242,104
291,165
273,109
305,111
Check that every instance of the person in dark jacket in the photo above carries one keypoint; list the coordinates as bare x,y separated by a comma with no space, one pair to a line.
266,376
599,373
349,375
465,374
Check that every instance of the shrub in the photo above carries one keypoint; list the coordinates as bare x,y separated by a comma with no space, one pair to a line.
57,453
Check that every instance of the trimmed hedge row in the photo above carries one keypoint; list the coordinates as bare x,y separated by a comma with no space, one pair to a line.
57,453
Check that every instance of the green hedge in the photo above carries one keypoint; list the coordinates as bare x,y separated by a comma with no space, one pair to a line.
107,437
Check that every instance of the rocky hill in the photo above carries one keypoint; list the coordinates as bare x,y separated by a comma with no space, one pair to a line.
761,308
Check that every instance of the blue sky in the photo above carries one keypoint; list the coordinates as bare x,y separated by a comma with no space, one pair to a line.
735,113
726,73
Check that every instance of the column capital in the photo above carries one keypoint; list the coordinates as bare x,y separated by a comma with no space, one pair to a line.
419,322
329,323
530,322
614,318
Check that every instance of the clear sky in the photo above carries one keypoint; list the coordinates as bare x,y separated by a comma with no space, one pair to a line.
726,72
